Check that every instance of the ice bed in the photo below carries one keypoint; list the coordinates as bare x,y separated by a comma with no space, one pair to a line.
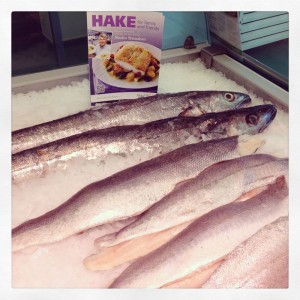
40,98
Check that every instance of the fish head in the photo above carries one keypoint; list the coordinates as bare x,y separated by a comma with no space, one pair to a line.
266,114
213,101
249,120
231,100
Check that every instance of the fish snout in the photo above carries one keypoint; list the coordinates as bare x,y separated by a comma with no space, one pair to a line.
243,100
272,112
268,117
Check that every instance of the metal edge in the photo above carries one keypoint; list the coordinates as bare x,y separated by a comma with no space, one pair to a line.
49,79
251,80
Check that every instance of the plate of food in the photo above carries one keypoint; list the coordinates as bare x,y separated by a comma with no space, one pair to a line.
130,65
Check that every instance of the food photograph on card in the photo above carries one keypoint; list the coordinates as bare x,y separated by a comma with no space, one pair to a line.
124,51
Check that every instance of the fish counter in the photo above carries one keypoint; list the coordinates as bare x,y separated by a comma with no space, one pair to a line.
174,190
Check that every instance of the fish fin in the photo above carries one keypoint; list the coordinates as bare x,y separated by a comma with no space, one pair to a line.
108,231
191,112
250,194
181,183
280,181
132,249
100,241
197,278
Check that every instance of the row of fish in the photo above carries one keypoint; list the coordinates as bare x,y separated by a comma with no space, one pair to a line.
128,112
126,193
207,191
104,152
195,192
154,138
206,242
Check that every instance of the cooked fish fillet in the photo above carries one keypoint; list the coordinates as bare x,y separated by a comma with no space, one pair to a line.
207,240
127,193
133,57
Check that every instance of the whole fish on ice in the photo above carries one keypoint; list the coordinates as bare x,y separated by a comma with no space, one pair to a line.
128,112
259,262
68,165
207,240
217,185
144,141
129,192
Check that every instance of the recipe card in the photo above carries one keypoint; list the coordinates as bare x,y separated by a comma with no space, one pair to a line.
124,50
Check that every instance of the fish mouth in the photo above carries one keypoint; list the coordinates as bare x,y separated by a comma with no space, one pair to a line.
245,101
268,117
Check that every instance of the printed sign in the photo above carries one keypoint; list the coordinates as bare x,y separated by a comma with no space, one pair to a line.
124,50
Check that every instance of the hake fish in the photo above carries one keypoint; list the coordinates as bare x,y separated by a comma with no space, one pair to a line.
259,262
128,112
207,240
129,192
217,185
154,138
68,165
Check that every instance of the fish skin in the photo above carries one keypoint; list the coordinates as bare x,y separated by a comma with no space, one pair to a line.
126,112
252,265
217,185
206,240
107,200
154,138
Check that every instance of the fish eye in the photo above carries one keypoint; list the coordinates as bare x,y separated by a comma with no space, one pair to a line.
229,97
252,119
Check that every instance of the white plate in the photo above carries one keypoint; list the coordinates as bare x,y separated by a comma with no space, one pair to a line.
102,74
